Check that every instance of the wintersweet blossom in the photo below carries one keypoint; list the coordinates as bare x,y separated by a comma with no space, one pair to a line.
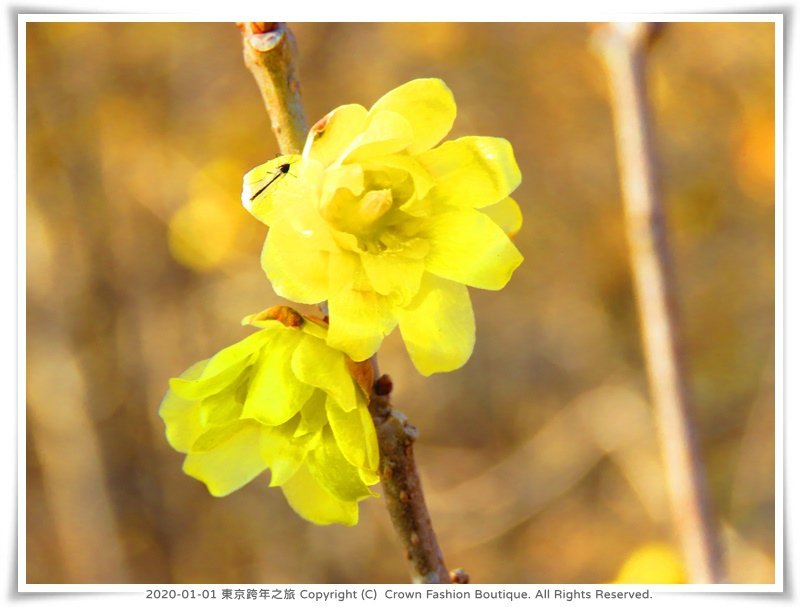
389,229
280,399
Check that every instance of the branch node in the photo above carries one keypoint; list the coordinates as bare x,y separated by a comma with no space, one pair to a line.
459,576
383,385
267,41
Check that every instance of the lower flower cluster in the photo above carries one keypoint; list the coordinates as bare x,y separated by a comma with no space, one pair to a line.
280,399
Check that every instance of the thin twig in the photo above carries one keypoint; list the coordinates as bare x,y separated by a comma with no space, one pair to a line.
269,51
622,47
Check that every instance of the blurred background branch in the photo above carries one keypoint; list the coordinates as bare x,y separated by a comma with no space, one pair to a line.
623,47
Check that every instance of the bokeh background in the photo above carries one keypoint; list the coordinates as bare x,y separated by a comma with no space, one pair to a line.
538,457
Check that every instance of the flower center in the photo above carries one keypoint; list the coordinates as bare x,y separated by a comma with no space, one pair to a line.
371,212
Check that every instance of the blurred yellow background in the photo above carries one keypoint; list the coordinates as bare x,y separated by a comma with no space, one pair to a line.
539,457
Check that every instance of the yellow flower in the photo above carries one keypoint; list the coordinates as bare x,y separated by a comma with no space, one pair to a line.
387,228
279,399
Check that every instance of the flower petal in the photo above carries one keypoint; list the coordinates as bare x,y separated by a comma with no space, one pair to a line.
328,465
370,477
317,364
310,500
422,179
275,394
347,176
330,136
267,186
505,214
359,318
427,104
438,327
296,267
231,464
182,416
315,327
214,436
222,368
283,452
472,171
394,275
386,133
354,432
468,247
359,322
224,407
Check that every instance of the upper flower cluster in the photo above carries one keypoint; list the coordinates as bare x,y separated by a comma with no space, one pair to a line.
279,399
387,228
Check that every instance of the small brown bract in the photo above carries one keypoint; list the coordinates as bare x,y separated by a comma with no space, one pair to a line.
284,314
320,125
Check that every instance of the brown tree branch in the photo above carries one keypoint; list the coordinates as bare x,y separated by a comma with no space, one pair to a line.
402,490
622,46
269,52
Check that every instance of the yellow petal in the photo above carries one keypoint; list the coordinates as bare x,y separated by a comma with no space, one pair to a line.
283,452
360,318
310,500
317,364
386,133
356,214
231,465
328,465
225,407
297,268
438,328
369,477
315,327
472,171
422,179
214,436
348,177
222,369
505,214
275,394
359,322
233,355
182,416
427,104
270,185
329,137
312,415
468,247
354,432
394,275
